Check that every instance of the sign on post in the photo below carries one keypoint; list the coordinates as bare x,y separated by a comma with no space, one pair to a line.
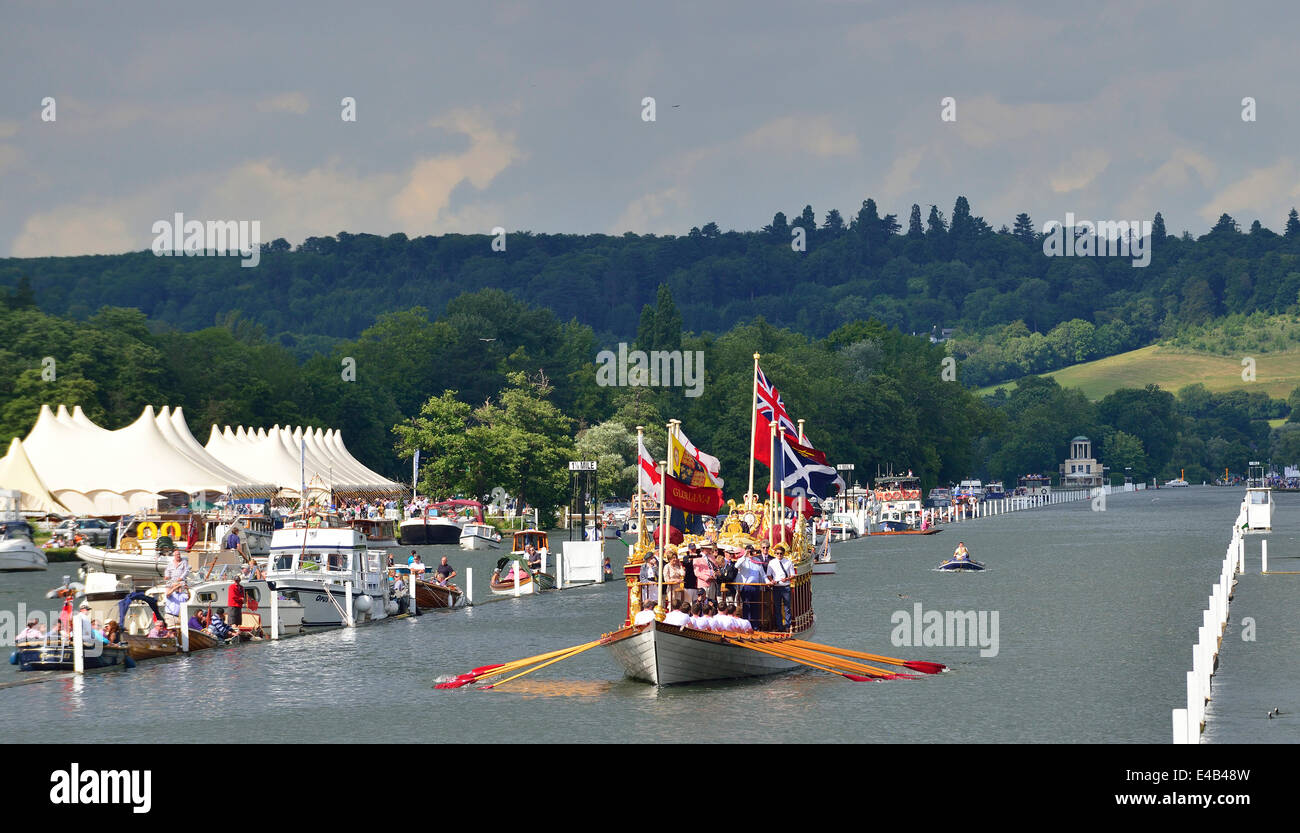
582,465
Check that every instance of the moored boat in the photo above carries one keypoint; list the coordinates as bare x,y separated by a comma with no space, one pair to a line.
314,562
430,594
380,533
513,577
480,536
18,553
56,654
151,647
898,503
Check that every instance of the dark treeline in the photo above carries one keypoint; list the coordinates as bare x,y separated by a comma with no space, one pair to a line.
1016,310
528,391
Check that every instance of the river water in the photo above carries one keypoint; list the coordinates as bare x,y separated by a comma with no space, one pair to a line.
1096,613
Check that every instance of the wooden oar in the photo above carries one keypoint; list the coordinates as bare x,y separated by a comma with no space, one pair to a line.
914,664
574,652
843,664
506,667
781,655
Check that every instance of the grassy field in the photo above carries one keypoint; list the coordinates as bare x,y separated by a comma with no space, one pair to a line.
1276,374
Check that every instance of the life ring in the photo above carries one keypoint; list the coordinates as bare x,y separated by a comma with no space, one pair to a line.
146,531
175,528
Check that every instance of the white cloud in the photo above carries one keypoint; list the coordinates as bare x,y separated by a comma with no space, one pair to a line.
899,178
76,230
1264,193
1083,167
652,213
420,206
293,204
294,102
815,135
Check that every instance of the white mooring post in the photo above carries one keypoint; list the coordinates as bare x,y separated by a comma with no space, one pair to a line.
516,574
410,579
543,554
275,613
1263,556
469,585
185,626
1193,711
1180,726
78,648
351,622
559,571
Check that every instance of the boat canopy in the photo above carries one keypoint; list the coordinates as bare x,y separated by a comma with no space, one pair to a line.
529,536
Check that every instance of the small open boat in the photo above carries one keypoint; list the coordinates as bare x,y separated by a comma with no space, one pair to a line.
146,647
57,655
502,582
430,594
959,565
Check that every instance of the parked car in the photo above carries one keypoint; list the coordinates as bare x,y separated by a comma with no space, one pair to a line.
92,530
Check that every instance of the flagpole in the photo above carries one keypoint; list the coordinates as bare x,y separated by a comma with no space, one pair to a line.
753,426
640,496
662,534
771,485
802,498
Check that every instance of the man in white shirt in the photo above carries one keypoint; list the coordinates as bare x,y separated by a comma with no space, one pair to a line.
677,616
779,571
723,622
739,625
644,616
750,573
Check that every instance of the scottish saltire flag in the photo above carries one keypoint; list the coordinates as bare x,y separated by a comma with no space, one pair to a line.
801,472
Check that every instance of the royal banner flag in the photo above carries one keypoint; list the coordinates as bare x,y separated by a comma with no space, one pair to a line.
694,500
690,465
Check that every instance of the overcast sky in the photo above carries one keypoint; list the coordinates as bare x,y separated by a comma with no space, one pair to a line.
527,115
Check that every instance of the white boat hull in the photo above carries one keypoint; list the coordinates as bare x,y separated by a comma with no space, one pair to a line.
144,564
21,555
824,568
667,655
476,542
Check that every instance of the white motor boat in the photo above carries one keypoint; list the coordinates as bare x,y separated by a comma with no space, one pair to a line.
476,536
18,553
314,566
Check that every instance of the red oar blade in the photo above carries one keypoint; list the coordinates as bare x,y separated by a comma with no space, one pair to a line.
483,668
925,667
856,678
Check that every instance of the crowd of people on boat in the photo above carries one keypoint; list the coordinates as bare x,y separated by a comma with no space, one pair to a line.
702,616
723,575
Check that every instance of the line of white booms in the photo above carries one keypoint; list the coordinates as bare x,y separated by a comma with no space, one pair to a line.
1188,722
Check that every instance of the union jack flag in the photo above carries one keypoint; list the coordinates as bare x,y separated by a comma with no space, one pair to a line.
771,407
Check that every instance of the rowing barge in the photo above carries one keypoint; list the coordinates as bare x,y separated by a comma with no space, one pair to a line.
663,654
